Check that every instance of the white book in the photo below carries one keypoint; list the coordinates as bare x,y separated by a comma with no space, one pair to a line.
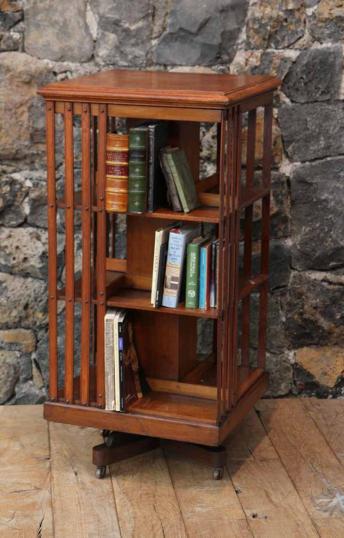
178,238
161,237
109,360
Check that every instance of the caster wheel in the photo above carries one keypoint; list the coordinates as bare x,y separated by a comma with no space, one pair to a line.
101,472
105,434
218,473
111,439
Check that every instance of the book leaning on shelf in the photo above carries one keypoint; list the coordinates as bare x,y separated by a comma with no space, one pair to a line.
179,180
122,381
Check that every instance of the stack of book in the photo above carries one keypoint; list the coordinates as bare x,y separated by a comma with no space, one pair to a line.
122,381
184,264
143,174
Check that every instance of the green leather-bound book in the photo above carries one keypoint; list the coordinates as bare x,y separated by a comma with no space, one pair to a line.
183,178
137,183
192,272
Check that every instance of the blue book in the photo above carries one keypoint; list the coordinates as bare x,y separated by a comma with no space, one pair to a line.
204,275
177,241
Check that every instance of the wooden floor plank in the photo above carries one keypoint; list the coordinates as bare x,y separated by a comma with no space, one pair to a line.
25,502
210,508
270,500
309,461
84,506
146,502
329,417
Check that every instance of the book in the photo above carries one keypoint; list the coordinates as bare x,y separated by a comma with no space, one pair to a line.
119,315
204,275
213,278
116,169
183,179
157,138
109,360
192,272
160,246
128,392
178,238
161,275
172,194
137,190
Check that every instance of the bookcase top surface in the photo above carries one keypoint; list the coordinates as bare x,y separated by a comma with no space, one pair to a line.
161,88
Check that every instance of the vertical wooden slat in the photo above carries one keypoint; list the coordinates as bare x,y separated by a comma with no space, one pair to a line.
234,254
94,165
69,252
247,269
52,248
263,304
221,167
86,297
101,254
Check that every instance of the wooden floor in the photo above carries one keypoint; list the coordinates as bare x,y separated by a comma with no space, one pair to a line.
284,478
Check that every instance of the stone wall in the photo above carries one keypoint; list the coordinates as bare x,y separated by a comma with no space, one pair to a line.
301,42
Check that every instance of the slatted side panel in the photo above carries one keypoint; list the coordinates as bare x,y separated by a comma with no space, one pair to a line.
52,249
222,134
101,255
235,171
86,291
69,252
247,262
263,305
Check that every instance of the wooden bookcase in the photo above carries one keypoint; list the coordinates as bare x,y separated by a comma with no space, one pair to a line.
191,400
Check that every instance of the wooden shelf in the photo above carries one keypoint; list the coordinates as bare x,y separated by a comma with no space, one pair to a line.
175,406
140,300
201,214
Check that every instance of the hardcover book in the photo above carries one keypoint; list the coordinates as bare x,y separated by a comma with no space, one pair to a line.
128,392
182,178
172,194
213,278
116,180
137,195
178,238
157,138
204,275
109,360
159,260
192,272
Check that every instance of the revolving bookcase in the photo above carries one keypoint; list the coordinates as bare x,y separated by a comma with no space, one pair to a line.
194,401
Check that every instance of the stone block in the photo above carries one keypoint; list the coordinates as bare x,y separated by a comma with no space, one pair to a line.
314,311
325,363
274,25
317,191
326,23
23,302
200,33
316,75
312,131
9,374
124,34
58,30
18,339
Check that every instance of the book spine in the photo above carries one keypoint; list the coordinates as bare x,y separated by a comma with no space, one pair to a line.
174,263
137,196
156,256
161,274
109,364
151,167
217,272
178,182
116,361
174,198
213,275
202,277
116,180
121,365
192,270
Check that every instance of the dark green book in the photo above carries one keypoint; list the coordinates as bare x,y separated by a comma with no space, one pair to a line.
137,182
192,272
183,179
